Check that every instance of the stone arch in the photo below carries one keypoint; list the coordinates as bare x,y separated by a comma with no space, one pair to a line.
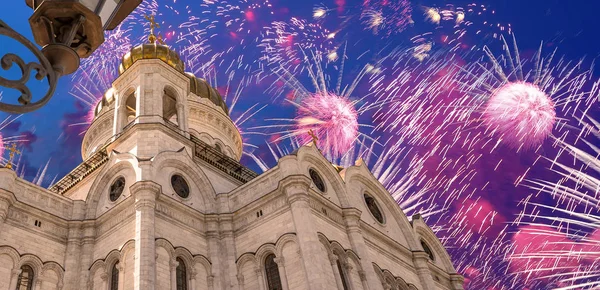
204,262
326,243
53,267
401,284
11,252
117,163
312,156
127,106
263,251
361,174
183,163
165,244
32,261
244,259
440,254
282,241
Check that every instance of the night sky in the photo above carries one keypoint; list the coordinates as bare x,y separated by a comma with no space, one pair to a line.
479,213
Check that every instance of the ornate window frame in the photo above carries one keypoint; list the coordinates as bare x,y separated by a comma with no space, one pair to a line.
380,209
312,169
186,182
110,186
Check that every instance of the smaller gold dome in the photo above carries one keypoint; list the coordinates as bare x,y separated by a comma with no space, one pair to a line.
203,89
151,51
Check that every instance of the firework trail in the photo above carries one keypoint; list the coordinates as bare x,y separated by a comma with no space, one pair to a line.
456,28
284,44
558,243
386,17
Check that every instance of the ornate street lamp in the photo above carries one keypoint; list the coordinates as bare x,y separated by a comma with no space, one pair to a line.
67,30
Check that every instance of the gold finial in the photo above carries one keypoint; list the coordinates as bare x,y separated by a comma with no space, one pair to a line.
11,155
153,24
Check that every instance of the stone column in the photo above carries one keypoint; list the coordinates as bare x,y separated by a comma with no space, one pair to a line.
357,241
173,267
240,279
349,281
104,286
121,269
73,255
212,236
421,260
282,274
193,274
181,120
37,285
229,268
336,273
363,279
457,281
296,190
261,279
210,280
14,276
87,248
145,194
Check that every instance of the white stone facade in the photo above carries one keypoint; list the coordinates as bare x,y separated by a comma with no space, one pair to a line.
74,237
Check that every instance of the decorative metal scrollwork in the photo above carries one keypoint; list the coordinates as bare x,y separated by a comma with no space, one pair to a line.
43,70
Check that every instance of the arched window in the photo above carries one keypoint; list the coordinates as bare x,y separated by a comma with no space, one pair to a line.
114,277
272,272
181,275
25,281
218,148
342,274
427,250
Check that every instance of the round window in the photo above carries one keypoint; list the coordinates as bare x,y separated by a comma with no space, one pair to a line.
427,249
316,179
116,188
180,186
373,208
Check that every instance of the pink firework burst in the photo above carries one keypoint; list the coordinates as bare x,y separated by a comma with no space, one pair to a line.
521,113
332,118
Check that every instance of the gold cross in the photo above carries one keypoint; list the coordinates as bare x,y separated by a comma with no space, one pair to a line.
11,155
314,136
153,24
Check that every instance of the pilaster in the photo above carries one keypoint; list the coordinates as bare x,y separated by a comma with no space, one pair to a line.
295,188
457,281
421,260
145,194
357,241
87,248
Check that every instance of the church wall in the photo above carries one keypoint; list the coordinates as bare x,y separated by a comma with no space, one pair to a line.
328,227
296,276
98,282
31,241
248,271
220,183
119,229
323,257
398,269
6,266
41,198
104,202
128,269
353,275
50,281
82,189
199,197
268,230
201,276
163,269
254,190
180,236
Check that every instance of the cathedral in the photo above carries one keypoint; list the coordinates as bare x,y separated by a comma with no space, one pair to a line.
161,201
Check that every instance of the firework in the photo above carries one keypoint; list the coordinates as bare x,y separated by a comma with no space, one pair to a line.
285,43
558,244
522,113
519,101
386,16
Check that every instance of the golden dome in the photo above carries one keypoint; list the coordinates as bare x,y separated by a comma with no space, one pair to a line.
201,88
151,51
